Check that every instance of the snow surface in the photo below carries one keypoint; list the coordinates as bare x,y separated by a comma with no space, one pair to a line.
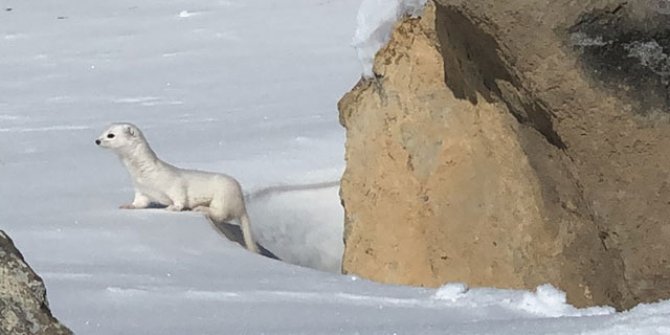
375,22
246,87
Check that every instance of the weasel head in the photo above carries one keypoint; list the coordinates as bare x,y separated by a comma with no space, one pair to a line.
120,137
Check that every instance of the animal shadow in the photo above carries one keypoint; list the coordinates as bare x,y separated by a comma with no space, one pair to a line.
234,233
156,205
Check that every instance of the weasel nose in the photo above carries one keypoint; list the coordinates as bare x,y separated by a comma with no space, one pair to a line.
97,142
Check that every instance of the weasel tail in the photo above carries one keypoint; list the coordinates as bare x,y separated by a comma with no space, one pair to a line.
246,232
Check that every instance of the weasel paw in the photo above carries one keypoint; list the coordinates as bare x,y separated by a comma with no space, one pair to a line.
127,206
253,249
175,208
202,209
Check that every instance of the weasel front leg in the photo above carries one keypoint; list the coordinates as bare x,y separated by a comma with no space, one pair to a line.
176,207
140,201
178,202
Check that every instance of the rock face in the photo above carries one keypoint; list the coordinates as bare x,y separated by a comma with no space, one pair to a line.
515,143
23,304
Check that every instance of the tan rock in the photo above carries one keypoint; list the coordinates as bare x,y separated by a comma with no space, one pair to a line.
500,146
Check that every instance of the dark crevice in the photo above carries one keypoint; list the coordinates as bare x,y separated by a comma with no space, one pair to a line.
474,68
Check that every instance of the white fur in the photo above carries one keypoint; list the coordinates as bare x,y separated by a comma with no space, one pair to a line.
217,195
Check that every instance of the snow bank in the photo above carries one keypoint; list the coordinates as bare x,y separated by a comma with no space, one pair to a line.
375,20
647,319
546,301
301,227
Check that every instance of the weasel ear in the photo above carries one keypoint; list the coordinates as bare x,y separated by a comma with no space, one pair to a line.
130,130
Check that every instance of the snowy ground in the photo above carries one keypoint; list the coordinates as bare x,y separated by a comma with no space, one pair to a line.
246,87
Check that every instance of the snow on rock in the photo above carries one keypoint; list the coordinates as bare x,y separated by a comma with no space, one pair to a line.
375,20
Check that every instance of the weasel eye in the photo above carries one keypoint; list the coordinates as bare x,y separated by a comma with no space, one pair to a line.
110,135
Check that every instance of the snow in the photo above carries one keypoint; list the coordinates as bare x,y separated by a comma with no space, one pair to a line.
375,22
245,87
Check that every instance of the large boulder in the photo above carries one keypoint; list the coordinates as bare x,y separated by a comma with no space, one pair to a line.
514,143
23,304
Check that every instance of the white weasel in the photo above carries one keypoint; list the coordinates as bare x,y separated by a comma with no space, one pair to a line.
219,196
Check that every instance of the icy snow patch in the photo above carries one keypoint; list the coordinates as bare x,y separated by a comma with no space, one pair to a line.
551,302
184,14
451,291
375,21
546,301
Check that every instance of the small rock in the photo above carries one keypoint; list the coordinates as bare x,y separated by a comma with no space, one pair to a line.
23,299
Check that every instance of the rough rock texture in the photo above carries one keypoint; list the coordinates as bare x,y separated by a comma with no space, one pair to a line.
514,143
23,303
